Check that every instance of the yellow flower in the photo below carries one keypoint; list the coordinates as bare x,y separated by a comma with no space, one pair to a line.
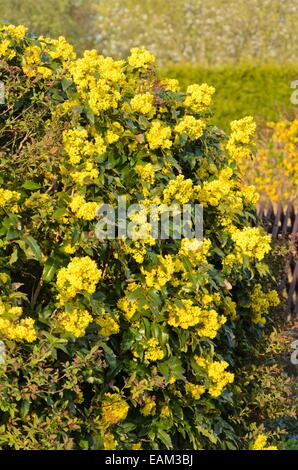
81,275
219,377
159,276
149,408
165,411
199,97
242,132
74,322
152,350
82,209
136,446
75,143
191,127
8,200
146,172
109,442
178,189
159,136
140,58
260,443
260,302
5,50
17,32
108,325
33,65
194,390
184,316
22,330
170,84
61,50
114,409
143,103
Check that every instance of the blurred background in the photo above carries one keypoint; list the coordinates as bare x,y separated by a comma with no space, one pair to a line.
247,49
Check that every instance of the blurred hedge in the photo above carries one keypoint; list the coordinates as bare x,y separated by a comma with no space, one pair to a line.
262,91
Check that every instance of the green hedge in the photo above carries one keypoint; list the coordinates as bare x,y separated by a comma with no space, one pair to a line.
261,91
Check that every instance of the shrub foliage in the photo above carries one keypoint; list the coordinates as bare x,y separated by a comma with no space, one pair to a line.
120,343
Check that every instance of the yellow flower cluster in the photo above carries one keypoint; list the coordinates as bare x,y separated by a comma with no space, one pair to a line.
80,276
61,49
74,322
195,250
139,248
261,443
14,328
100,93
17,32
170,84
22,331
33,65
184,314
82,209
146,172
214,191
11,33
242,132
114,409
199,97
159,276
5,50
129,307
143,103
218,377
250,195
196,391
75,141
109,442
77,145
108,325
149,408
9,199
250,242
153,352
140,58
178,189
86,175
159,136
260,303
191,127
210,323
230,308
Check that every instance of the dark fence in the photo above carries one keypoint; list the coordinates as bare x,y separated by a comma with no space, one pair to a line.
282,223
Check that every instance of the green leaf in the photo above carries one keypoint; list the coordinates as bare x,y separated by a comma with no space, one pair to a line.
49,270
59,213
89,114
34,247
31,185
165,438
14,256
25,407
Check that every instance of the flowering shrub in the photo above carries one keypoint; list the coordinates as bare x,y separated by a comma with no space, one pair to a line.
119,343
274,170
